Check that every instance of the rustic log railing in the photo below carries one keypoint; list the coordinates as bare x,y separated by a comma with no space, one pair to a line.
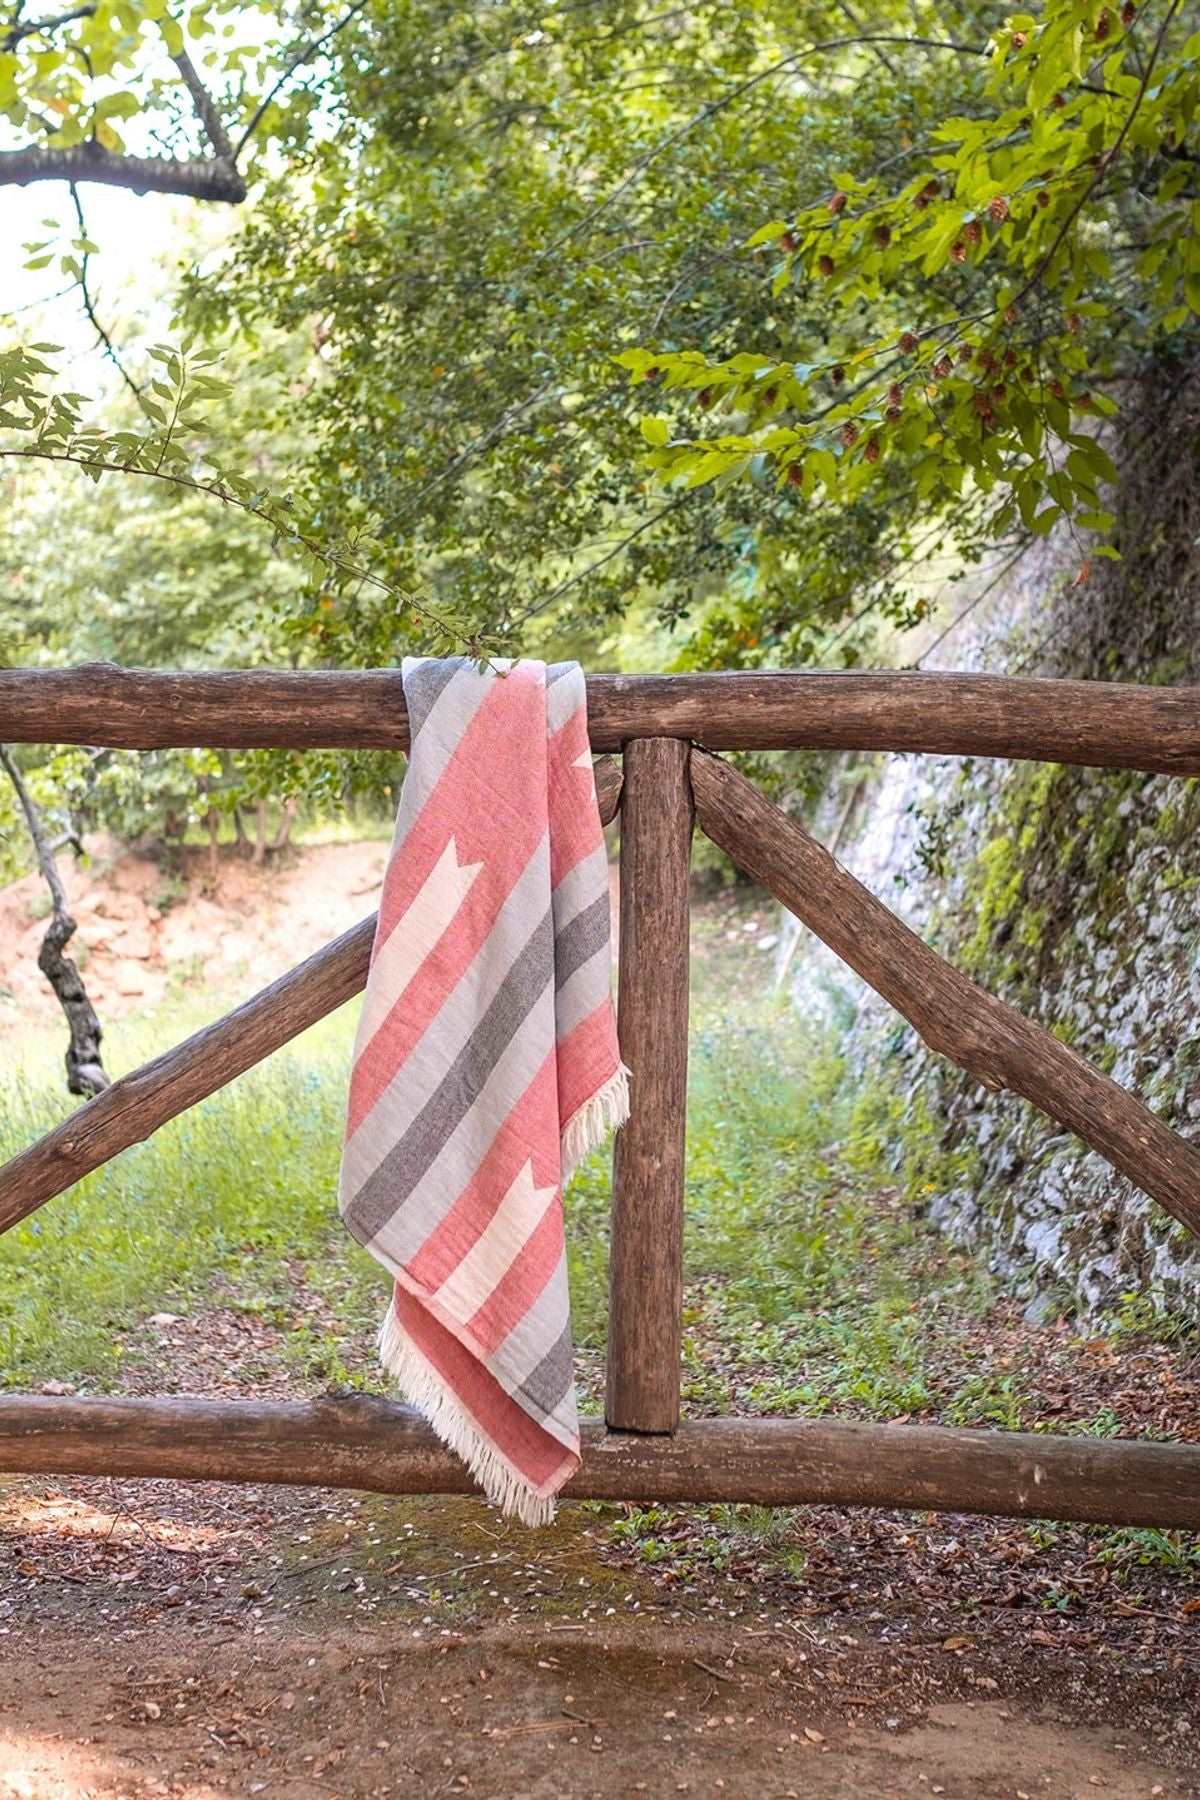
667,728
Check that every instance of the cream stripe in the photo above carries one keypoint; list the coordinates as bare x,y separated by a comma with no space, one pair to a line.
581,995
470,1285
427,919
534,1333
580,886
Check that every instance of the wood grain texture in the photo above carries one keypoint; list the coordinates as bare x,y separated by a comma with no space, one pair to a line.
993,1042
131,1109
378,1446
646,1259
1104,724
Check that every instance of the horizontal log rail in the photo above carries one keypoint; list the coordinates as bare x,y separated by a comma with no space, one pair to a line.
1102,724
377,1446
991,1040
135,1106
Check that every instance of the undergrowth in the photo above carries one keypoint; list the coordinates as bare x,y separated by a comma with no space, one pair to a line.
813,1282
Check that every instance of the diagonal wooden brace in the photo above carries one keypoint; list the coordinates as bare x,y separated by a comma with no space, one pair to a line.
134,1107
991,1040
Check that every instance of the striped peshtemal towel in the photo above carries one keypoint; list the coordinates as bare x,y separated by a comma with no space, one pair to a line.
486,1064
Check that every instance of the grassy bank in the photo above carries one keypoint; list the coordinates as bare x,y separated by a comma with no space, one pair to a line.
813,1283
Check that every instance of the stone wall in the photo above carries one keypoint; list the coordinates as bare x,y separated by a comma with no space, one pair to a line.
1074,894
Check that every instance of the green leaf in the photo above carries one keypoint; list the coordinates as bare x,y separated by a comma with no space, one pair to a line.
766,234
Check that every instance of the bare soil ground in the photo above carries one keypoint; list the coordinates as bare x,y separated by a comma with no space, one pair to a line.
144,933
199,1639
191,1641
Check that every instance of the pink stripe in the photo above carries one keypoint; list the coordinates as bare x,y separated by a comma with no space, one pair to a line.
504,846
519,1287
530,1130
532,1451
587,1058
482,793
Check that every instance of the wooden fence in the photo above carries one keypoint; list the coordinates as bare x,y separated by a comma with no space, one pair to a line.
667,730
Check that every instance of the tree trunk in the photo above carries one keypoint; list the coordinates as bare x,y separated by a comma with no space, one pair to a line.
85,1071
286,819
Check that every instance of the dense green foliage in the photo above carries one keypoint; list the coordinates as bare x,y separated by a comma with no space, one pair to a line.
964,306
406,419
977,227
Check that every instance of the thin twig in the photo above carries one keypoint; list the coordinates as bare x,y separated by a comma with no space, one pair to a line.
110,349
303,56
291,534
206,108
735,93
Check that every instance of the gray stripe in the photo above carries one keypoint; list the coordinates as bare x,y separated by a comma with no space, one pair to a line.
385,1191
556,671
580,996
450,1028
424,681
579,941
544,1387
459,1160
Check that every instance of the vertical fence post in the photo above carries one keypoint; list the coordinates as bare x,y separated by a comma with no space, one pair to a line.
646,1263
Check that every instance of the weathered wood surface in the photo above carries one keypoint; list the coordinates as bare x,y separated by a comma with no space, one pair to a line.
134,1107
376,1445
993,1042
1105,724
646,1259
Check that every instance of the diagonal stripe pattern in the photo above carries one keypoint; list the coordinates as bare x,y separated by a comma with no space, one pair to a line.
486,1064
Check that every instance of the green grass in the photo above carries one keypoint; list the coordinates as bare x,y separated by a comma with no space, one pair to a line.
221,1200
812,1283
234,1197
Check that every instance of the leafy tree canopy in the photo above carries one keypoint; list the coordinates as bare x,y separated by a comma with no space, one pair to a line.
514,198
970,305
976,225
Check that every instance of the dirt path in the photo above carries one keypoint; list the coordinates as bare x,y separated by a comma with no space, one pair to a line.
167,1638
508,1712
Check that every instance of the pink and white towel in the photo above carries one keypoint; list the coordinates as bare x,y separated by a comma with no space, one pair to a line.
486,1064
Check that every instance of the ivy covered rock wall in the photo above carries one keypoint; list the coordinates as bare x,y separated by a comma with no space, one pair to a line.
1074,894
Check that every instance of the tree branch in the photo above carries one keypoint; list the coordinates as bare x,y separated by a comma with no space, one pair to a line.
196,178
206,109
85,1071
35,27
